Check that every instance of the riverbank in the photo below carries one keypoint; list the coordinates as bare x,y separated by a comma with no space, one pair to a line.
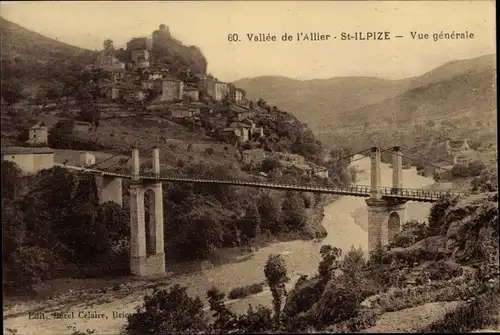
124,294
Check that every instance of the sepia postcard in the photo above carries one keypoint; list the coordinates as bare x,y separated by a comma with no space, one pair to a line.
224,167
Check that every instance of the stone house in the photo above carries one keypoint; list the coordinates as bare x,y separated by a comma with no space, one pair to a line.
238,95
155,85
86,158
38,135
180,112
140,43
131,76
320,171
151,74
142,64
29,160
460,151
287,159
172,89
192,93
133,94
305,169
215,89
139,55
111,92
239,132
253,157
241,112
108,62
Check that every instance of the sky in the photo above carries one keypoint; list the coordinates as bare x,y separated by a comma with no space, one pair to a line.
207,24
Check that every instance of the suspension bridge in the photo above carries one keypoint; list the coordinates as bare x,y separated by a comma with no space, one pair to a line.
386,205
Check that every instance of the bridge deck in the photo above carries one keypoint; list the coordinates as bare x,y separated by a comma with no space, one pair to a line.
420,195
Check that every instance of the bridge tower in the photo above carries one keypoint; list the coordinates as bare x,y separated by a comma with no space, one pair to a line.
384,215
147,256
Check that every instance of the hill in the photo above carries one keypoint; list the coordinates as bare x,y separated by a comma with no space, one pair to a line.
322,102
455,100
313,101
19,42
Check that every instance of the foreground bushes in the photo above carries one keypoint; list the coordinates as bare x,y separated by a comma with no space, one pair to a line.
482,313
244,291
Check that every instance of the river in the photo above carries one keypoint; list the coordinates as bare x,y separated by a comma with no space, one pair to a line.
343,220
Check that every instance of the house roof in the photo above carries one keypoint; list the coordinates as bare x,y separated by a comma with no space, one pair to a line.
25,150
240,124
302,166
178,108
197,104
170,78
38,126
239,109
456,144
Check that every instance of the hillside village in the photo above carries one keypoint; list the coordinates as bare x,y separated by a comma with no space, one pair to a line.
143,80
157,91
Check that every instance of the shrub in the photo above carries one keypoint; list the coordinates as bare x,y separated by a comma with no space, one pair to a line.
269,164
444,270
168,311
300,300
473,169
244,291
256,321
479,314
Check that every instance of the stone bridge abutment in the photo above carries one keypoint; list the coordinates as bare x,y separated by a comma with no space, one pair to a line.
147,256
385,216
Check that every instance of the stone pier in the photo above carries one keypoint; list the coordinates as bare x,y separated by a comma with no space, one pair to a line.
147,255
384,215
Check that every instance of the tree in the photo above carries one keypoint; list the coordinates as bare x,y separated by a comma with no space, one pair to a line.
225,320
168,312
250,224
270,212
269,164
91,114
294,215
12,181
330,260
108,46
55,90
61,135
12,91
276,277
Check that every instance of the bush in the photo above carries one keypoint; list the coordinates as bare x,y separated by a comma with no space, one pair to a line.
411,232
245,291
473,169
444,270
479,314
269,164
168,311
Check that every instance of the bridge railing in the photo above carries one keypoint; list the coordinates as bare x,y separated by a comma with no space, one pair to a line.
417,193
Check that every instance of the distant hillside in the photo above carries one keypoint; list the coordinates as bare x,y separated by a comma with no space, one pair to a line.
26,44
312,101
328,103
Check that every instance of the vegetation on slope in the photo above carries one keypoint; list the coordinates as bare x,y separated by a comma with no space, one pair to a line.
452,257
19,42
456,100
